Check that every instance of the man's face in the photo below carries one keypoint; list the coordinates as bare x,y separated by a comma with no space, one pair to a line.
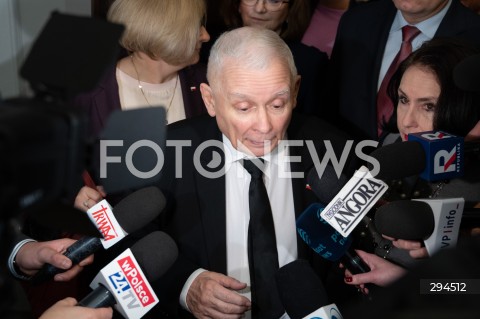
252,107
415,11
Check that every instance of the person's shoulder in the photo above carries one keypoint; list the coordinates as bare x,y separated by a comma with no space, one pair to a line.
198,127
371,7
300,49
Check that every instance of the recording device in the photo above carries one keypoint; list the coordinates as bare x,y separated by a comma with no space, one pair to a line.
302,293
436,221
326,187
444,154
130,214
326,241
124,282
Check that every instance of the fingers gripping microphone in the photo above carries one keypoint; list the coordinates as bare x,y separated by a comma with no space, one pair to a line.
326,241
124,282
302,293
130,214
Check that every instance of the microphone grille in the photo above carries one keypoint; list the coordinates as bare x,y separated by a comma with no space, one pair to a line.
139,208
301,290
399,160
405,219
155,253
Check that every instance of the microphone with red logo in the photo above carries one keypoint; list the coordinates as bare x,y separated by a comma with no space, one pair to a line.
124,282
130,214
434,155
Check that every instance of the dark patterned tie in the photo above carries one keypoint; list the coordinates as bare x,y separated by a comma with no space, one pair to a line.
384,103
262,248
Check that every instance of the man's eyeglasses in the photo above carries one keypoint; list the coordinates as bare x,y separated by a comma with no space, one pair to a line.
271,5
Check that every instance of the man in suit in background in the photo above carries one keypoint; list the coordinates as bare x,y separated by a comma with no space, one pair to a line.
369,38
251,94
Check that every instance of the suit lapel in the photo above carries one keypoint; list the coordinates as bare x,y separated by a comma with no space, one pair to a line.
212,205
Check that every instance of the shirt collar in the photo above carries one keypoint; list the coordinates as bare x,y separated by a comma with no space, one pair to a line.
428,27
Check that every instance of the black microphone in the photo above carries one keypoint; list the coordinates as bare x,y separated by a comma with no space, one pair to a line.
399,160
436,221
124,282
132,213
302,293
326,186
405,219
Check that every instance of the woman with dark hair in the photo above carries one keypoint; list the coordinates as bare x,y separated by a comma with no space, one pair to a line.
427,98
290,19
428,73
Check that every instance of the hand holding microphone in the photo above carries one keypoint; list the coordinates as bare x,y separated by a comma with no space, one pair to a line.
32,256
124,282
130,214
382,272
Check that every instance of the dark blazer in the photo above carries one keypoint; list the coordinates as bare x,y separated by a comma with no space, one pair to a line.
195,212
312,66
357,57
104,99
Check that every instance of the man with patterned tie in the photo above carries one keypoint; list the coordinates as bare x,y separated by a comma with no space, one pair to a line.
232,207
370,39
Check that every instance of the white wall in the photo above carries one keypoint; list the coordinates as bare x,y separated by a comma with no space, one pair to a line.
20,23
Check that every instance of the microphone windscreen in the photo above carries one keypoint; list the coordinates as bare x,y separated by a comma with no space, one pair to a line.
327,186
405,219
320,236
139,208
399,160
155,253
301,290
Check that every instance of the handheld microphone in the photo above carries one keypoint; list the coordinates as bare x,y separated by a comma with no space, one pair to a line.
444,154
326,241
124,282
130,214
326,186
302,293
437,221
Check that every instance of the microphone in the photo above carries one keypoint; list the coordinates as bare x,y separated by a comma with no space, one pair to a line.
444,153
326,186
302,293
326,241
434,155
130,214
124,282
437,221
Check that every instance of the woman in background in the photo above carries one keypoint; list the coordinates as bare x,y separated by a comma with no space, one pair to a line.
289,19
162,40
427,98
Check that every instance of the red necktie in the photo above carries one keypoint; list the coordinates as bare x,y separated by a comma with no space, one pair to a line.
384,103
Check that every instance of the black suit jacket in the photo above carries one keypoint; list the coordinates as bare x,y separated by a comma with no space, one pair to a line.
357,58
195,213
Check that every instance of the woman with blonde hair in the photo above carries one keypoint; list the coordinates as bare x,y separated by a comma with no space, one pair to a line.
162,40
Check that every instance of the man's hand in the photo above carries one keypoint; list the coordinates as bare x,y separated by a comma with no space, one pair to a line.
212,295
33,255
